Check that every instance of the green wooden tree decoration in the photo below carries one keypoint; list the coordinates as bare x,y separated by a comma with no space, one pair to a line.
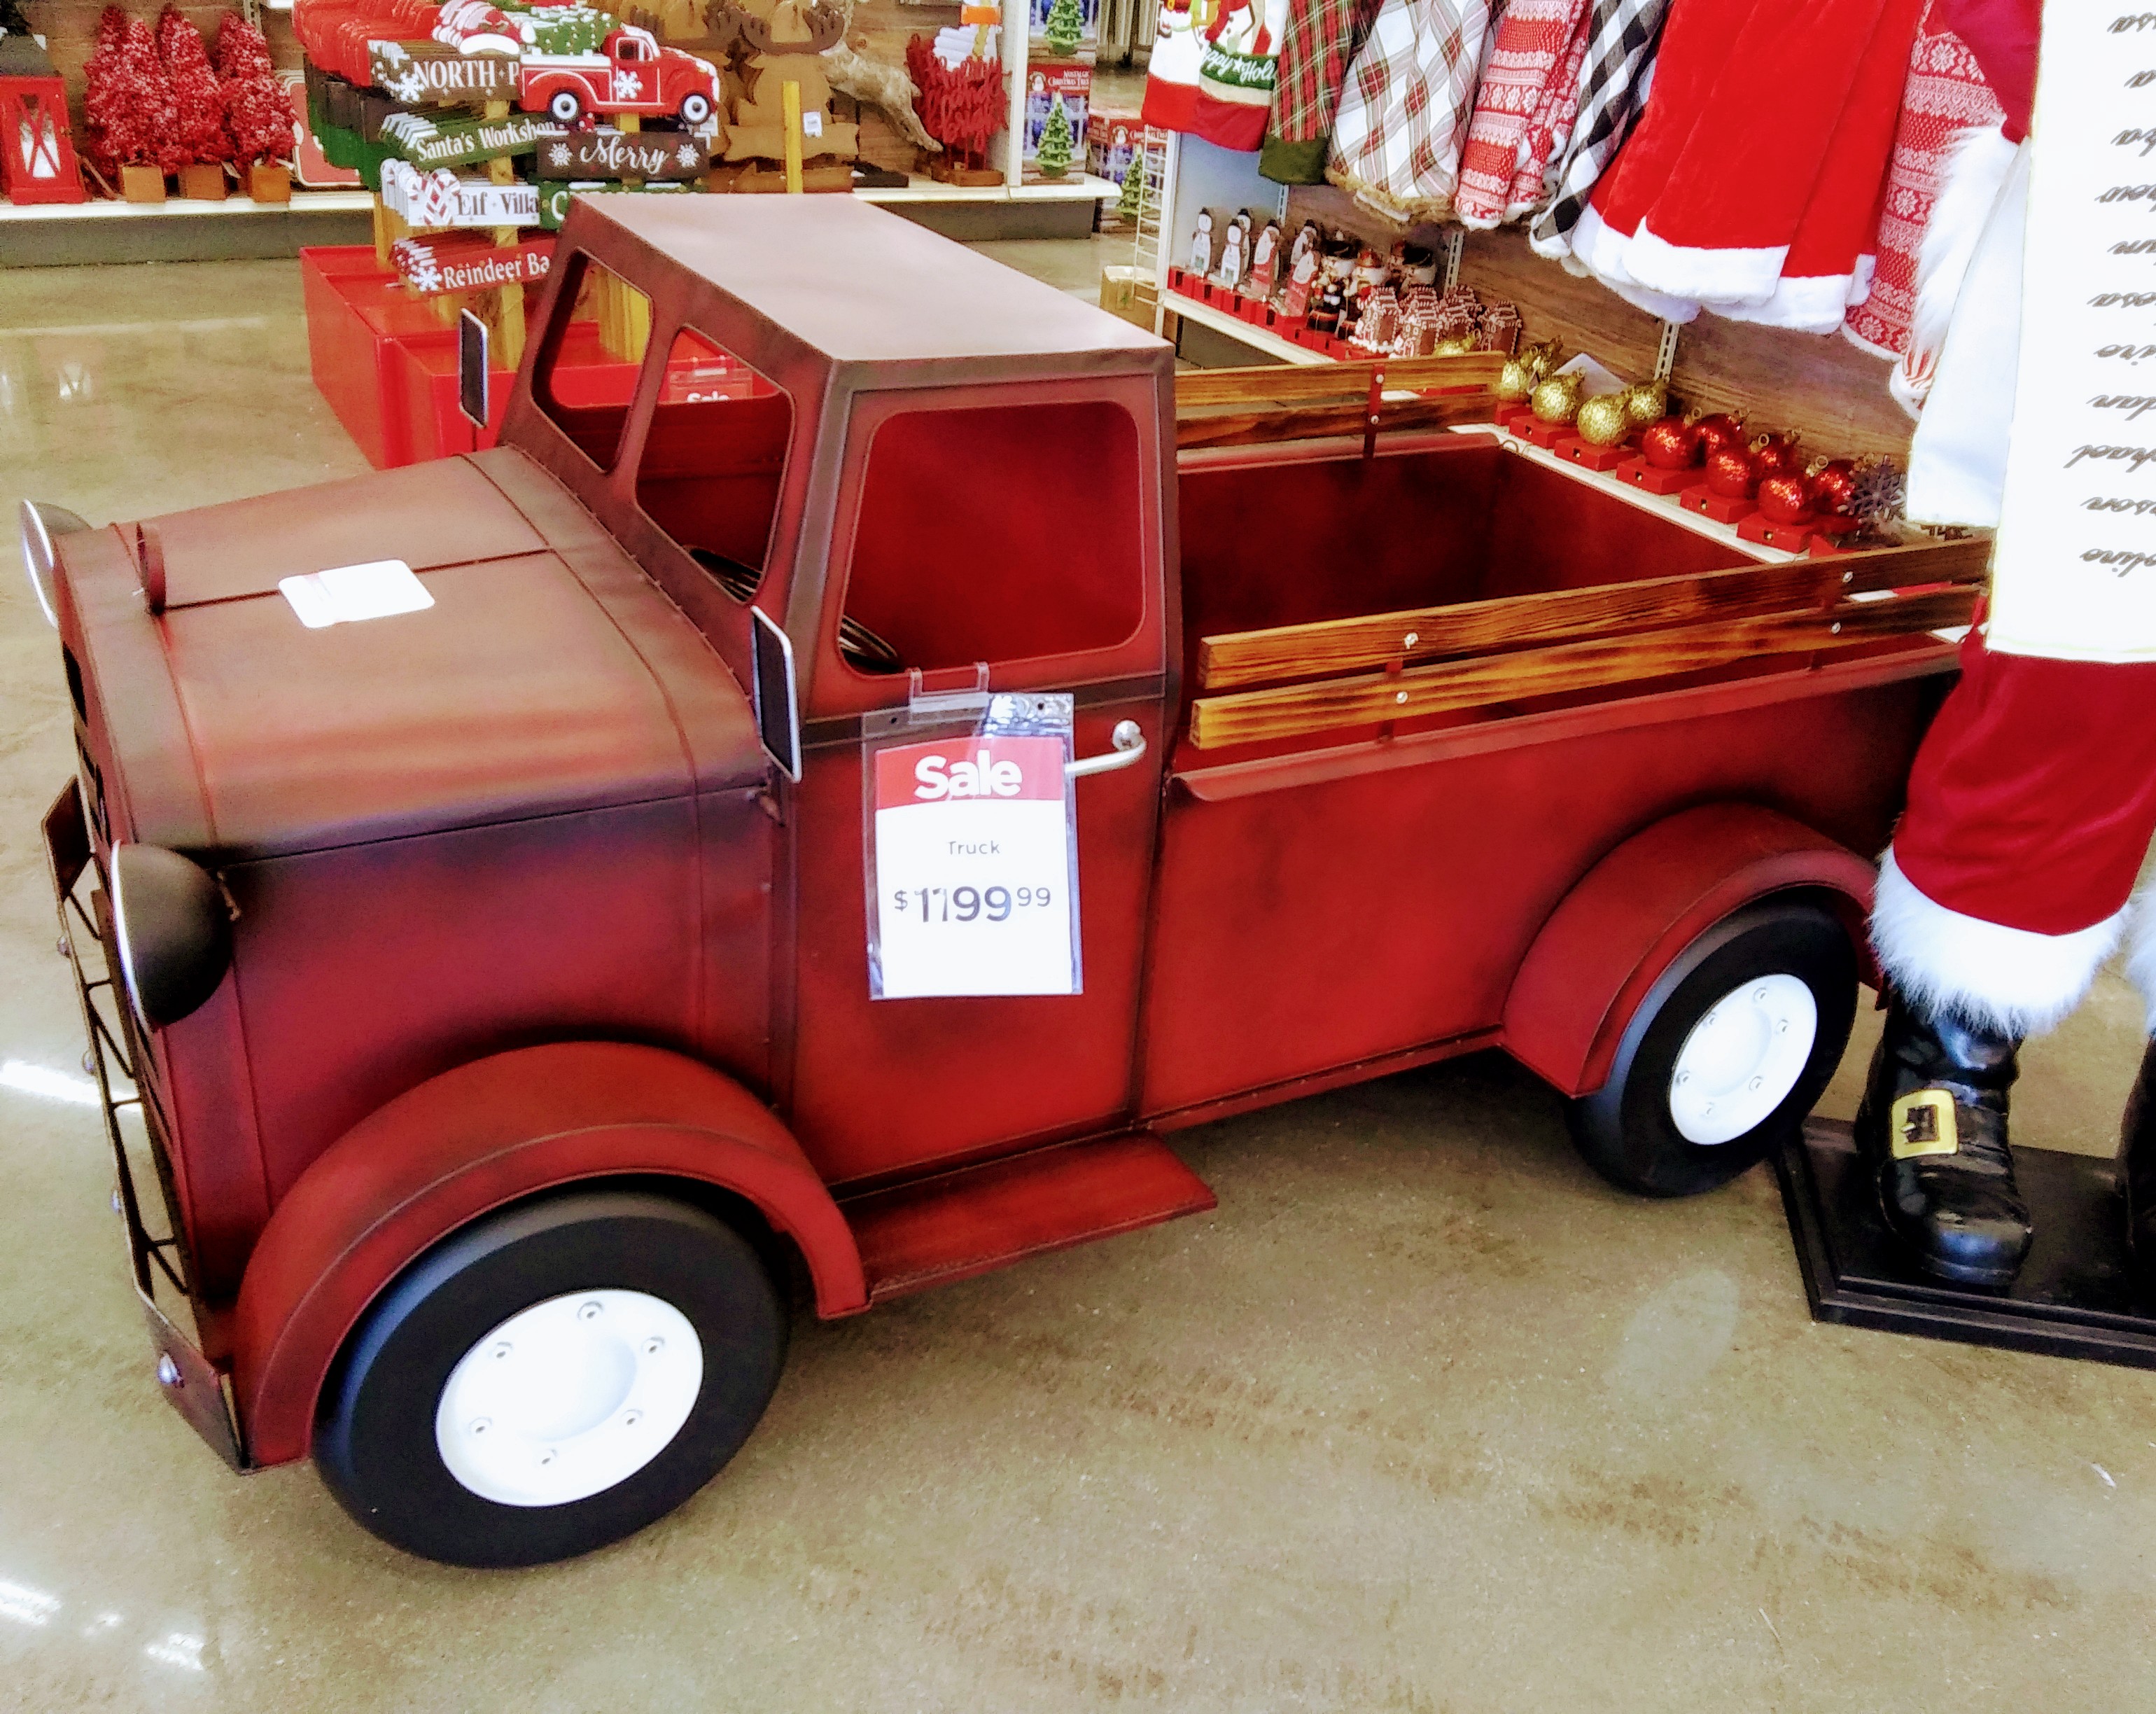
1065,24
1134,197
1055,154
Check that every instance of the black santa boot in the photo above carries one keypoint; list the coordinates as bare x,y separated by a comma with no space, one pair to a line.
1933,1126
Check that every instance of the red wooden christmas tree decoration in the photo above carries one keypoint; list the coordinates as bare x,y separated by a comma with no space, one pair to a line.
128,101
256,110
199,127
37,158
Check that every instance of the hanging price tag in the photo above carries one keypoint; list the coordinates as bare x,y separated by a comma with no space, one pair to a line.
973,865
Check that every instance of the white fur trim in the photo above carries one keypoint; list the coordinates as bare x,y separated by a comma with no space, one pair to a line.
2141,959
1599,249
1977,162
2013,981
1813,303
1713,276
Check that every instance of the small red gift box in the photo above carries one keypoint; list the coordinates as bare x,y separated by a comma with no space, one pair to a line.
1537,433
1574,450
1759,528
1720,507
1654,478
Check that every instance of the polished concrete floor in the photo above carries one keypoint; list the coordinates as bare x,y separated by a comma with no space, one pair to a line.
1425,1417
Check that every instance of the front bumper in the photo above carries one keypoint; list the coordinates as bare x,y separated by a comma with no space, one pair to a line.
190,1382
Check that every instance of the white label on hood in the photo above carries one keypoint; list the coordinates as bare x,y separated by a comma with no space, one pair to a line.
345,593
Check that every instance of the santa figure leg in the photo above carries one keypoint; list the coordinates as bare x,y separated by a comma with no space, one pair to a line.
2031,804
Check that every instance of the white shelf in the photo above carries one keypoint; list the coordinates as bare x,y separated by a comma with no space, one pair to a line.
1079,187
304,202
1236,328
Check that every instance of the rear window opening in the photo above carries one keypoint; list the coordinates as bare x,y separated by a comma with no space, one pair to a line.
1000,533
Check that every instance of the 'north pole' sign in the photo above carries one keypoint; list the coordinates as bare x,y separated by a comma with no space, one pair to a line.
433,266
614,154
430,71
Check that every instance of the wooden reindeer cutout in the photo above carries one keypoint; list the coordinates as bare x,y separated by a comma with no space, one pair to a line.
785,40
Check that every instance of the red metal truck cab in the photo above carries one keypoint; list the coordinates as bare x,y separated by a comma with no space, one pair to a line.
632,73
531,920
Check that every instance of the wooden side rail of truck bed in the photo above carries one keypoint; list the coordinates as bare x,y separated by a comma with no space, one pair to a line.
1282,402
1594,639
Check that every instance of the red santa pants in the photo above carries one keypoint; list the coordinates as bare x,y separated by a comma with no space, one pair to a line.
2031,807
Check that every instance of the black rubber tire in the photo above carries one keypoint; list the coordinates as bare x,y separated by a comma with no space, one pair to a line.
565,107
374,1432
695,108
1625,1129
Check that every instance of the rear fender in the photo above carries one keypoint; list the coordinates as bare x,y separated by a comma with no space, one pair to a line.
1616,933
473,1139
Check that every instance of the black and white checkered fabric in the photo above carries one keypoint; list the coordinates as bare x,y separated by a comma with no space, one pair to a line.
1613,87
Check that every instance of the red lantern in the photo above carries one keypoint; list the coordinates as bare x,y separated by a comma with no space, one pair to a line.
37,158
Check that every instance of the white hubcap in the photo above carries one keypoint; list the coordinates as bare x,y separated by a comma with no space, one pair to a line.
565,1399
1743,1058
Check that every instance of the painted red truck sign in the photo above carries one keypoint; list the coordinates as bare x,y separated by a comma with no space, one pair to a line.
632,73
473,874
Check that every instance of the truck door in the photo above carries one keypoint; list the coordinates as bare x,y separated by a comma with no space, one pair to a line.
1018,527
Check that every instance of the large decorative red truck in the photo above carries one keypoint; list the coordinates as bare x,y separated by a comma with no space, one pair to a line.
491,863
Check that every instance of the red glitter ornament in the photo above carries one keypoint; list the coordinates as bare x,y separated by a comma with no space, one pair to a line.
1784,498
1730,473
1669,444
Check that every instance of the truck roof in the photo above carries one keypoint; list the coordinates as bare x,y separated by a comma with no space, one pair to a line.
862,286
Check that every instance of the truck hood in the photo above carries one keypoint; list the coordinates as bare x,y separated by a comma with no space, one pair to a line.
549,676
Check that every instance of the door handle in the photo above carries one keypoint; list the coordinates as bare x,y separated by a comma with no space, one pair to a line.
1130,745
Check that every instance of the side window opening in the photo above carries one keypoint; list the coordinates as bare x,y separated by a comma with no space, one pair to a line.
1004,533
586,379
714,460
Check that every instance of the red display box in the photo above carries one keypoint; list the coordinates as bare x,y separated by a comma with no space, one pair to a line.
1508,414
1537,433
1574,450
1720,507
1640,474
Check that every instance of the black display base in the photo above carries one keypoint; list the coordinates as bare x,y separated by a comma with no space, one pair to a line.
2072,1298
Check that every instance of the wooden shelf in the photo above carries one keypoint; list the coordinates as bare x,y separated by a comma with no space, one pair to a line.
304,202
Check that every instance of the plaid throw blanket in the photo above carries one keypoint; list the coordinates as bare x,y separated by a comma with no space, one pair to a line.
1621,38
1320,41
1523,110
1403,114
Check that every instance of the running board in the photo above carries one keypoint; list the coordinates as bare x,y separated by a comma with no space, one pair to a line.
981,1217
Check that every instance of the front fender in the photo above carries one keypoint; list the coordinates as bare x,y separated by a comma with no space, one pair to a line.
472,1139
1613,934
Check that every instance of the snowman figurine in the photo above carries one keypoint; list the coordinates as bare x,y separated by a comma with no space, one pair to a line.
1201,244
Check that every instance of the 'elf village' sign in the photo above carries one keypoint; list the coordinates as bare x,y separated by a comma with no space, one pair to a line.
613,154
428,141
433,71
433,266
441,198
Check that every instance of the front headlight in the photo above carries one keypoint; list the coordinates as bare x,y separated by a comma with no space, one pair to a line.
40,524
174,932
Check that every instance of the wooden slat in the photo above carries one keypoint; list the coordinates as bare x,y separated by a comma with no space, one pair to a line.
1254,716
1247,427
1342,645
1288,383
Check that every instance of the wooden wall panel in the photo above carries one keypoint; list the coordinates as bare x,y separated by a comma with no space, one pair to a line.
1830,392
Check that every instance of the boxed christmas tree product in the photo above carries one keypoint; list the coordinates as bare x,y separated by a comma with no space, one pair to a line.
1057,95
1064,30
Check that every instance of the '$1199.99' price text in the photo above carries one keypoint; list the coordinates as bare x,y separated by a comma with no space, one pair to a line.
967,905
